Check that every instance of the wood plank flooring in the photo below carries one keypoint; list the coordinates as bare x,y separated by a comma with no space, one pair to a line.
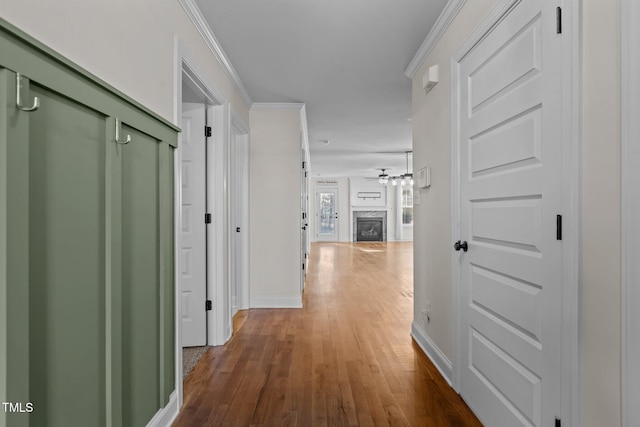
345,359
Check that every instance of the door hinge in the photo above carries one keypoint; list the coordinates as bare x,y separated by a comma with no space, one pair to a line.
558,20
558,422
303,164
207,218
303,266
558,227
207,131
208,305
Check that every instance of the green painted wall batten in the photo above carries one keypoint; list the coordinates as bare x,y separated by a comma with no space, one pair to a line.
86,247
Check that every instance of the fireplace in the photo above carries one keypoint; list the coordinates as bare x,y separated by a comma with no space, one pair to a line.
370,226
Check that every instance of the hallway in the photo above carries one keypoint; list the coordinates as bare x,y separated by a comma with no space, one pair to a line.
346,358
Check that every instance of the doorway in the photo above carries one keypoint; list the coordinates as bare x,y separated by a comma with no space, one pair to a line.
239,215
327,215
202,106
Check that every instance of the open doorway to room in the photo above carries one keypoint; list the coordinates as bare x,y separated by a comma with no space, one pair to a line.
202,210
194,219
239,214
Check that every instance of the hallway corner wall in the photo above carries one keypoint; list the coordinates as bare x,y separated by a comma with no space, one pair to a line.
275,215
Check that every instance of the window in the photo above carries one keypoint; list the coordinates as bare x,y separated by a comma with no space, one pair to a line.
407,205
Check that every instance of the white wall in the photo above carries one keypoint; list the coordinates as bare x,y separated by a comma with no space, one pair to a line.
432,239
600,209
275,188
127,43
601,254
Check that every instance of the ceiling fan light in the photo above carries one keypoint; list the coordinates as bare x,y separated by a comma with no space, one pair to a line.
383,179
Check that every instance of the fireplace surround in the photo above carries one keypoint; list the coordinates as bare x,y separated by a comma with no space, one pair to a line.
370,226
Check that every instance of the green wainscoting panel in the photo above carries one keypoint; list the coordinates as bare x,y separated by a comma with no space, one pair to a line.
67,261
87,327
14,252
140,278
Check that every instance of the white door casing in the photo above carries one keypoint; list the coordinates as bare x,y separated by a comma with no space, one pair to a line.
193,280
509,147
630,213
327,215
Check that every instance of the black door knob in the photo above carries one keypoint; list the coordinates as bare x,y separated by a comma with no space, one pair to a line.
461,245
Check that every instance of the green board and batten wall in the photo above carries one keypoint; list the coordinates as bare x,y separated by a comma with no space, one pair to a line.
86,246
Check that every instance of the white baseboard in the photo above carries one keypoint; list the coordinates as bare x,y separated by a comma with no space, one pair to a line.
276,302
165,416
432,351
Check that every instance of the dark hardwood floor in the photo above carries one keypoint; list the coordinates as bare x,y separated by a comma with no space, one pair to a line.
345,359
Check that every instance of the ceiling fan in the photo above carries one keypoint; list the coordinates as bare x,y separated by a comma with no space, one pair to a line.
404,179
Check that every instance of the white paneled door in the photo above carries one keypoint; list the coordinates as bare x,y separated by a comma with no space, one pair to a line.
510,289
193,276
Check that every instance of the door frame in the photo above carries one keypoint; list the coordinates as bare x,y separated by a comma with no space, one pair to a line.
571,363
317,213
242,176
630,92
185,64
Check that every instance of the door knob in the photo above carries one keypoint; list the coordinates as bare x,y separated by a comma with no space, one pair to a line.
461,245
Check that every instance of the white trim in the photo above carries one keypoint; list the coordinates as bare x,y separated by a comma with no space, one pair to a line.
572,377
455,225
447,16
630,210
165,416
572,370
276,302
279,105
195,14
431,350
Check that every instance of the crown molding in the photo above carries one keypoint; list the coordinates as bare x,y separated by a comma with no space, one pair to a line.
447,16
279,105
195,14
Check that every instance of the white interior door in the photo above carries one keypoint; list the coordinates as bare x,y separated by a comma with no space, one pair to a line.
193,279
327,215
510,148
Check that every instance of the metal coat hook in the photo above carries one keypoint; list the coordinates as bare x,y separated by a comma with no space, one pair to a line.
36,100
128,140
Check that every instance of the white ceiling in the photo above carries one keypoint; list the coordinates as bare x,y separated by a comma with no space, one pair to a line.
344,58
